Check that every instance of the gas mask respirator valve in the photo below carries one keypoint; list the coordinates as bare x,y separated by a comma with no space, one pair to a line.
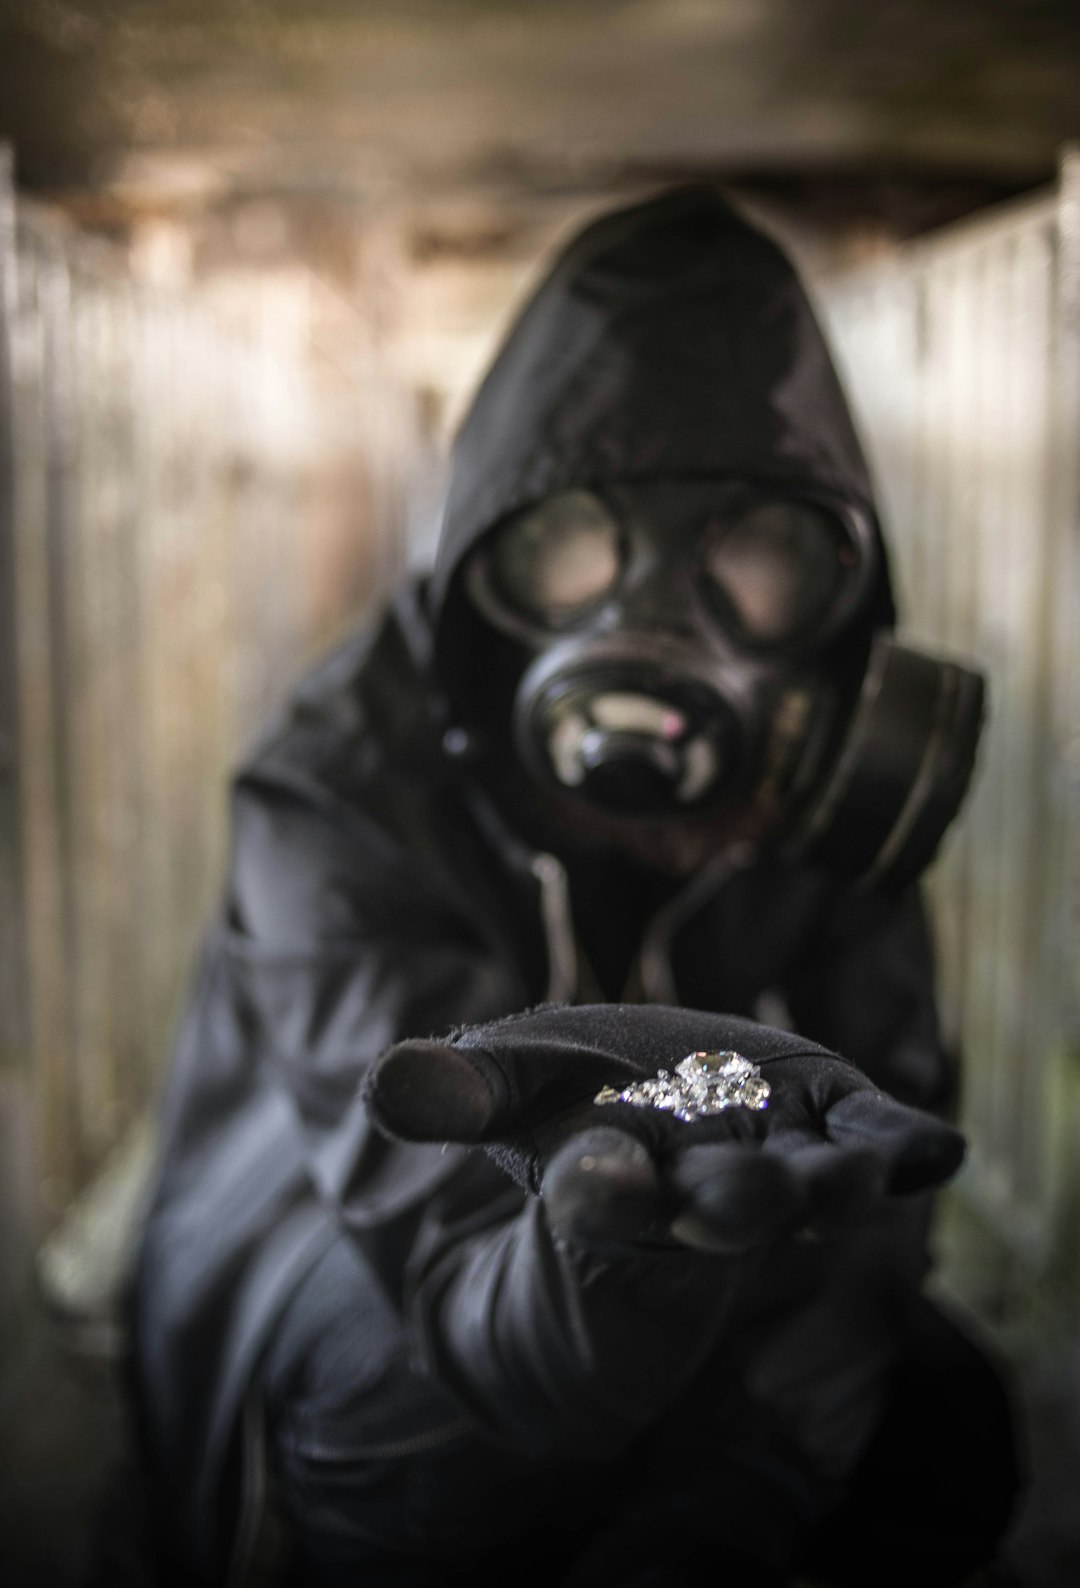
625,737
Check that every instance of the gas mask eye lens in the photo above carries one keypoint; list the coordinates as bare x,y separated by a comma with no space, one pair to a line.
780,571
557,560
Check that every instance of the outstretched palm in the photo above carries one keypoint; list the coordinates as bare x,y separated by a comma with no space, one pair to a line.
820,1153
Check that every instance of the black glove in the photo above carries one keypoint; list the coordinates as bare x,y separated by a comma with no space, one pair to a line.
827,1145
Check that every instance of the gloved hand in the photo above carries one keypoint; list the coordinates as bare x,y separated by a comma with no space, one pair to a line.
817,1157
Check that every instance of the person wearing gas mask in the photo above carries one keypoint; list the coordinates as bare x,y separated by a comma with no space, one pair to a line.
491,1221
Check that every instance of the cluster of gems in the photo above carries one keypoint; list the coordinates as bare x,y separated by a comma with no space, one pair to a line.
703,1084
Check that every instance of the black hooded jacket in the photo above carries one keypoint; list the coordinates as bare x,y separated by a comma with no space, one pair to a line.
375,892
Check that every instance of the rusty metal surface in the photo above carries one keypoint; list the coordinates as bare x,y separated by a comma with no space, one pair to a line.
12,1016
962,355
183,479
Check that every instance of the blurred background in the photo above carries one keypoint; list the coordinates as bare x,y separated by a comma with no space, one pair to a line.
254,255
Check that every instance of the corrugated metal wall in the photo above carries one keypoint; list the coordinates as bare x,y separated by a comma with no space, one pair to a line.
962,356
188,512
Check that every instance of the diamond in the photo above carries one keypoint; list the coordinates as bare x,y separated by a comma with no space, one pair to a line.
703,1084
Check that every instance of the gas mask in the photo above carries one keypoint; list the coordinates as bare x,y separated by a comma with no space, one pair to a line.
690,646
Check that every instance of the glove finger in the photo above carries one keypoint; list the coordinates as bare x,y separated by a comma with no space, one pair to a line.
430,1091
840,1184
918,1150
423,1090
734,1197
601,1186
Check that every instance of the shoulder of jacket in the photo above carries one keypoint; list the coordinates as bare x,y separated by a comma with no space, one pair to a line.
359,730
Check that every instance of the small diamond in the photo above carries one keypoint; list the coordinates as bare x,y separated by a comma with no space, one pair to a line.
755,1093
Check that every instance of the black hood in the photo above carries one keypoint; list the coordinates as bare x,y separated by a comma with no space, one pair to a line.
671,339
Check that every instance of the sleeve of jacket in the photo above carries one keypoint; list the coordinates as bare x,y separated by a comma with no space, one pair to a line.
553,1350
340,943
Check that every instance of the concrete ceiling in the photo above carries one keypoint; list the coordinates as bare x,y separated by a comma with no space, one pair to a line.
185,103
